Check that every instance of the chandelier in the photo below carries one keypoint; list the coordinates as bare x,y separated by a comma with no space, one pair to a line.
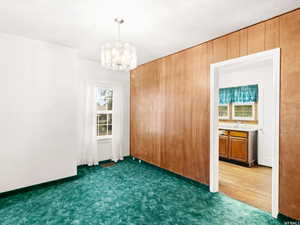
118,55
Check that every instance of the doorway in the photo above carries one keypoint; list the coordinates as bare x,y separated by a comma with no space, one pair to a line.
271,58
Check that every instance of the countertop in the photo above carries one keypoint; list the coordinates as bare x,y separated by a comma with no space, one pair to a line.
241,127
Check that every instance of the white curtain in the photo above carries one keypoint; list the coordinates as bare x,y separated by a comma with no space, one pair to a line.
88,152
118,121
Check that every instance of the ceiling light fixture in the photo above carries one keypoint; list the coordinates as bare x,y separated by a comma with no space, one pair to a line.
118,55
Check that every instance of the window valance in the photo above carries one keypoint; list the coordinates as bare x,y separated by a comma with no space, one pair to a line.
240,94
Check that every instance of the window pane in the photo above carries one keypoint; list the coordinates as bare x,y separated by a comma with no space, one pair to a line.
102,119
109,129
223,111
108,92
104,92
109,103
104,98
243,110
101,105
109,119
102,130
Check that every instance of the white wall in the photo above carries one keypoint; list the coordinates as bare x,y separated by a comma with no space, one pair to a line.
38,119
92,72
40,111
262,75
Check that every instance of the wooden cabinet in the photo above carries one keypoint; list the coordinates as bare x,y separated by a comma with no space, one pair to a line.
223,146
238,149
238,146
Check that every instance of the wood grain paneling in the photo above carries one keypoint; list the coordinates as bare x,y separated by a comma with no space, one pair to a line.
197,106
243,42
233,45
170,104
272,34
145,87
176,101
133,112
220,49
290,111
256,38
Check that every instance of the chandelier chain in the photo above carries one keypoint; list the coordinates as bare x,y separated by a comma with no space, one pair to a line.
119,38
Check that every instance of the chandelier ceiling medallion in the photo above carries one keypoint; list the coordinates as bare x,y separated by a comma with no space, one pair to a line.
118,55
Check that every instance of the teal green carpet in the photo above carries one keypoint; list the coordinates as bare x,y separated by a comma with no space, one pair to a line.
127,193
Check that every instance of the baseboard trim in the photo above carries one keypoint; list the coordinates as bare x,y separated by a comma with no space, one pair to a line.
236,162
48,183
287,220
36,186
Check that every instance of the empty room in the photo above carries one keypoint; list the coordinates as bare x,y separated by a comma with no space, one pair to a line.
149,112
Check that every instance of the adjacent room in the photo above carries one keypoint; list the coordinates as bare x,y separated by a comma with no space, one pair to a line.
247,131
149,112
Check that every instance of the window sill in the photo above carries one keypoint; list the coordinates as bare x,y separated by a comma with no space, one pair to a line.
243,118
104,139
223,117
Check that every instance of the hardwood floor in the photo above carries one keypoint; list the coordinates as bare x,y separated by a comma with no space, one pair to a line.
250,185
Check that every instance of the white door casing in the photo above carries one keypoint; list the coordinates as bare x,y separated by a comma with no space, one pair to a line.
274,57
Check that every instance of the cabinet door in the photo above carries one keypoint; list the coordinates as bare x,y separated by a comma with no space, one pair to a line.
238,149
223,146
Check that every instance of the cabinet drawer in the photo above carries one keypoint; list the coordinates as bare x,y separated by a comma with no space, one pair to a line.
223,132
239,134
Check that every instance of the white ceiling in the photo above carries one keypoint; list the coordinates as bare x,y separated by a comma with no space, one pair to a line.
156,27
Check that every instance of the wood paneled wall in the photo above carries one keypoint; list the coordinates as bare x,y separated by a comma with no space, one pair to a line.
290,110
170,104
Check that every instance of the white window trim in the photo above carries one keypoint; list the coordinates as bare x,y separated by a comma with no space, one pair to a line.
106,84
228,113
105,137
243,118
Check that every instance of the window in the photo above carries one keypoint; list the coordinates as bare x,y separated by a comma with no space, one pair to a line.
104,98
224,112
243,111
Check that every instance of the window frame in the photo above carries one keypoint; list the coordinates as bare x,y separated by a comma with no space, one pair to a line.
105,137
252,118
228,112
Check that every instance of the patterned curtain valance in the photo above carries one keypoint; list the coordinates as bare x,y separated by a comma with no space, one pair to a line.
241,94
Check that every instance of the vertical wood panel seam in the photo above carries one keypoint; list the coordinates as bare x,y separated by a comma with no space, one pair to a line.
265,36
247,41
227,38
239,44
